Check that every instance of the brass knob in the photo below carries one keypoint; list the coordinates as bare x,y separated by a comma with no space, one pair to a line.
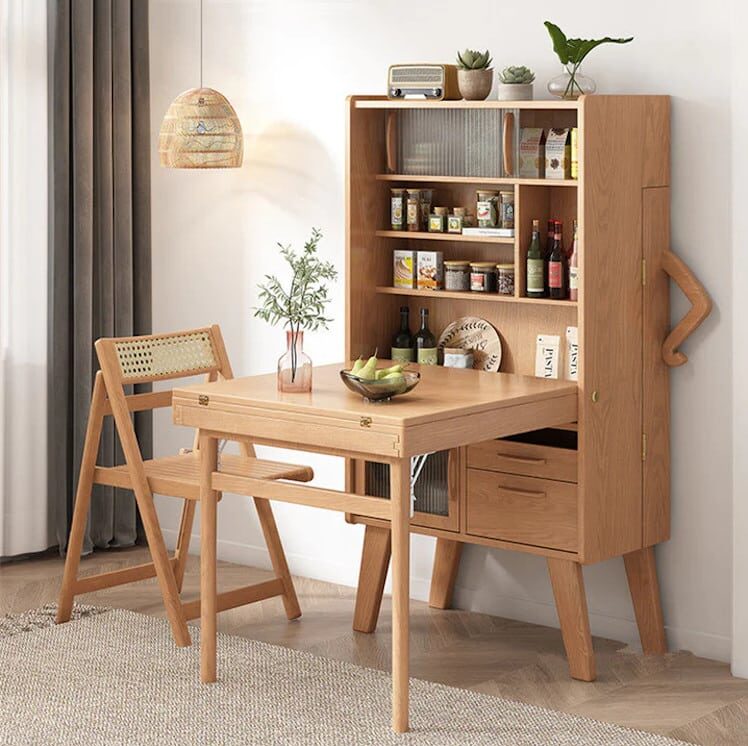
595,396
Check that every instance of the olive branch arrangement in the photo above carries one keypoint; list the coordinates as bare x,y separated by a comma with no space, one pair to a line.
571,52
302,307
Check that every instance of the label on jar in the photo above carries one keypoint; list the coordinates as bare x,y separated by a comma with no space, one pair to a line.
478,281
403,354
507,215
486,213
555,274
573,278
413,213
535,280
397,211
427,356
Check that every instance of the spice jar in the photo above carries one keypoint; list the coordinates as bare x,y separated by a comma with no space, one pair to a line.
397,209
483,277
456,275
454,223
426,198
437,223
505,279
486,209
414,210
506,209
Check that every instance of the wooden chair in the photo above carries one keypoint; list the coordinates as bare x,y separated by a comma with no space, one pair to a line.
147,359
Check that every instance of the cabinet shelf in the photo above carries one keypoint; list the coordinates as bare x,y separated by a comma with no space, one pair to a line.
490,180
425,236
470,296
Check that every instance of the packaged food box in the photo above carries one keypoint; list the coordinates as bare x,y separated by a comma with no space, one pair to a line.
532,152
558,154
430,270
574,153
404,269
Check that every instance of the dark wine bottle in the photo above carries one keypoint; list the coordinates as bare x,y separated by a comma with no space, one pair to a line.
403,346
426,352
547,254
557,265
535,265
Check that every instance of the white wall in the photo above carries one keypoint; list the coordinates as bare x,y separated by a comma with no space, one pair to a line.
287,68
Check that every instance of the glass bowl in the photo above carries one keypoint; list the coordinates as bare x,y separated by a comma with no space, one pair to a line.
380,390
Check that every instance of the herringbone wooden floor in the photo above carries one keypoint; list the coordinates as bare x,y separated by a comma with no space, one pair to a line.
689,698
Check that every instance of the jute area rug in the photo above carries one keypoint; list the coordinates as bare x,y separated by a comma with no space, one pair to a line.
115,677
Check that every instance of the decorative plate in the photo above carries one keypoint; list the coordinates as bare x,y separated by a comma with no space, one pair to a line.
472,333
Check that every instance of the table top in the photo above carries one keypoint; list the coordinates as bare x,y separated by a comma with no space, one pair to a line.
443,393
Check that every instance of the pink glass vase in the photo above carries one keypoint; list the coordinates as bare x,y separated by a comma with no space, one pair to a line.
295,366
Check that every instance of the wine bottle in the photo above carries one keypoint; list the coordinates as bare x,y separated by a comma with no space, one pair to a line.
556,271
535,265
574,267
403,346
547,255
426,352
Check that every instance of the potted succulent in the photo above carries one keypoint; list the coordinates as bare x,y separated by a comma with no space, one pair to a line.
300,308
515,83
571,83
474,76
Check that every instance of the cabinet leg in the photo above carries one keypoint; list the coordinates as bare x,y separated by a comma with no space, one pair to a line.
571,605
446,565
375,559
641,572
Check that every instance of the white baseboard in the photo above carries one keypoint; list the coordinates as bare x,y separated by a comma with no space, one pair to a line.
704,644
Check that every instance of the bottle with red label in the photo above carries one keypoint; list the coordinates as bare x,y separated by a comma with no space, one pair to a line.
557,265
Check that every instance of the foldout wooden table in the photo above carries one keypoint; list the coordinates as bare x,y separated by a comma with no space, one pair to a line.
450,408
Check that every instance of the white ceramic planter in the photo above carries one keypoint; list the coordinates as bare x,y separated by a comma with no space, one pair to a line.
475,85
515,91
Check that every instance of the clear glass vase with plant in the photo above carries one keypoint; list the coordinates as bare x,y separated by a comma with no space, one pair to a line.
571,52
300,308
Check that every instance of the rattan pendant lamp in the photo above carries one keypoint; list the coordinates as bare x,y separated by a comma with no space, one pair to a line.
201,129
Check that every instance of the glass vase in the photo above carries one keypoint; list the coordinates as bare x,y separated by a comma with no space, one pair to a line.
295,366
571,84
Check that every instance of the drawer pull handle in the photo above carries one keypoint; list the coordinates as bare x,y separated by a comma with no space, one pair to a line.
522,459
526,493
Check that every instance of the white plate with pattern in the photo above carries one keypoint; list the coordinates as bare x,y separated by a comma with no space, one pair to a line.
478,335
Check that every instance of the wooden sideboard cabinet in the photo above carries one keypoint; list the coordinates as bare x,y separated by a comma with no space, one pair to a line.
593,489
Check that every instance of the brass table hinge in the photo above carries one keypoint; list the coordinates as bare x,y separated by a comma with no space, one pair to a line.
644,271
644,446
203,400
365,422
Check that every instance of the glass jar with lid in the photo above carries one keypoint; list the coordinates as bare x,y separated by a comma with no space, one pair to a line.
485,208
457,275
483,277
505,279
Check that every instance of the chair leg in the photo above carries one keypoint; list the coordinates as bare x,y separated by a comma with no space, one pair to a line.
164,572
82,502
183,541
278,557
375,560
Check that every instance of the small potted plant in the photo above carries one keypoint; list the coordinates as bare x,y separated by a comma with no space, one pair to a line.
571,84
474,76
515,83
300,308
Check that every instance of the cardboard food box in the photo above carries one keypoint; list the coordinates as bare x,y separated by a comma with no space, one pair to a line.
558,154
574,153
404,269
531,153
430,274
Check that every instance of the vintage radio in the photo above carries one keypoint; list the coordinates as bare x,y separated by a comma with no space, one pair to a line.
433,81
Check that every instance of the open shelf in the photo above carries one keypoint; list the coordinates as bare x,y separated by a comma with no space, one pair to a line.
423,235
471,296
498,180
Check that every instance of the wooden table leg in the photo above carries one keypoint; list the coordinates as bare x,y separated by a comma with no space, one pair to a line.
641,572
208,450
400,496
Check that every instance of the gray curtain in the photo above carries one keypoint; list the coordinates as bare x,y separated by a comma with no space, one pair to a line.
100,236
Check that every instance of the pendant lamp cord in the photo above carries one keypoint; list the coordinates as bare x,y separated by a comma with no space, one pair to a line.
201,43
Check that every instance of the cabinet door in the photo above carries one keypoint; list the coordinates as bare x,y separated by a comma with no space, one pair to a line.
437,488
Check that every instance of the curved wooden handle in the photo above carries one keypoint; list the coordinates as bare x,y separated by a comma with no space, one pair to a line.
508,144
701,306
391,141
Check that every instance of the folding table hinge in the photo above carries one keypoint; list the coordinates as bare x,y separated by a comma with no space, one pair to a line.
644,446
644,272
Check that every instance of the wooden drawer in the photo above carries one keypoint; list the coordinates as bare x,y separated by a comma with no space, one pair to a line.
524,458
540,512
